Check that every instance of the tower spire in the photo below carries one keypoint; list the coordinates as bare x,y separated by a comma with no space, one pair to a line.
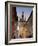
22,16
25,18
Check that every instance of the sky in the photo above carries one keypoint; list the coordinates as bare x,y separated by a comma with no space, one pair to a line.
26,10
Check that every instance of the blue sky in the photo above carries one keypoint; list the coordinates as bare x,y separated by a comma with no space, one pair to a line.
26,10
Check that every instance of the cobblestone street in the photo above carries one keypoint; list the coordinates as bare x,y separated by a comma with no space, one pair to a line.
24,30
